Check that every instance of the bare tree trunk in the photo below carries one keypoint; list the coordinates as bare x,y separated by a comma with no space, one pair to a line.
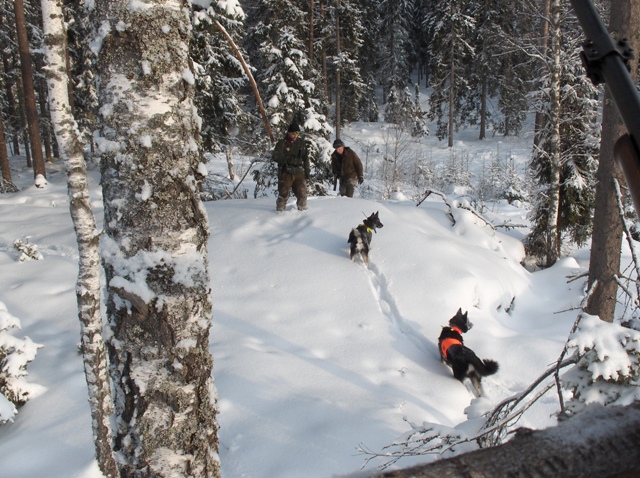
44,113
607,225
23,124
553,149
483,109
338,70
88,285
311,30
29,91
452,90
539,122
14,118
155,244
602,443
325,75
232,172
7,183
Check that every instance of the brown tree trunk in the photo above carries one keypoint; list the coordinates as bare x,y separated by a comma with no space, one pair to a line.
602,443
46,132
338,70
29,91
7,183
12,108
311,30
325,76
483,110
607,225
24,128
452,90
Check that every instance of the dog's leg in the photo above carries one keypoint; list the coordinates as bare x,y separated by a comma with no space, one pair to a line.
476,381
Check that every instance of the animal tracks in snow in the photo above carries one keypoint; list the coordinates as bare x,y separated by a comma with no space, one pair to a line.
388,307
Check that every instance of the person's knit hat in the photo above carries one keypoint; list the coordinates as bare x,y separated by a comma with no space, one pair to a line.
293,128
338,143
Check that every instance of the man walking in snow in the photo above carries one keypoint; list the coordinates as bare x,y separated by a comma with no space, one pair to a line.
347,167
292,158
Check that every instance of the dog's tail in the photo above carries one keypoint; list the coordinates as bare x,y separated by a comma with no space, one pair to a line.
485,367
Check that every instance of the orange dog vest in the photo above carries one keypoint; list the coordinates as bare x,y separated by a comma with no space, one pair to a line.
448,342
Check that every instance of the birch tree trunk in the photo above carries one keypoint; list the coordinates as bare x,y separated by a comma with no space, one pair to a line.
553,146
155,249
544,35
604,262
88,283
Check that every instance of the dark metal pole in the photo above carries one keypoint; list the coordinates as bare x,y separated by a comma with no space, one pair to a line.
605,59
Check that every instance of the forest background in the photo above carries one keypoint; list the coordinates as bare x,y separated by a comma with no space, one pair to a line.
326,65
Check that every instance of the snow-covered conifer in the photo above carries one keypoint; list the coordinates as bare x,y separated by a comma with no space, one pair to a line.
15,354
220,79
451,30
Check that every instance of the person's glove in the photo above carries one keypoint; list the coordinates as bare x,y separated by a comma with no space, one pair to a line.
360,180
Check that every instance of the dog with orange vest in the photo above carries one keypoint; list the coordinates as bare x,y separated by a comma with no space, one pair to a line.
462,360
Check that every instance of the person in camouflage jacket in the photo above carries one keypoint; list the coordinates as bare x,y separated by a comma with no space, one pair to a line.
347,167
292,158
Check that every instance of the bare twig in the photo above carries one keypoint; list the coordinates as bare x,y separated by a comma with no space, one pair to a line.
627,234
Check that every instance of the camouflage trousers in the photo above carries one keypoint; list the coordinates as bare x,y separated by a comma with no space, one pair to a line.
288,181
347,186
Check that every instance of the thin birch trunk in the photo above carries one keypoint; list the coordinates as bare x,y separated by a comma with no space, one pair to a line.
88,284
553,238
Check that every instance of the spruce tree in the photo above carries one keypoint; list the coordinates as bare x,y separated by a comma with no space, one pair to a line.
395,45
220,79
450,30
564,163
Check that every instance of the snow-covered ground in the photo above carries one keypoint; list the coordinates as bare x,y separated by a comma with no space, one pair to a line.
315,356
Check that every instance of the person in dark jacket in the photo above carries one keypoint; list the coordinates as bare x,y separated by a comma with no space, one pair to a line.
346,167
292,158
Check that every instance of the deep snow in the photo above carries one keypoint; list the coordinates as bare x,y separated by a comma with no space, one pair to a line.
315,356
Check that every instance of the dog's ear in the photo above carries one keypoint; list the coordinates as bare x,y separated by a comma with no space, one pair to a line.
459,311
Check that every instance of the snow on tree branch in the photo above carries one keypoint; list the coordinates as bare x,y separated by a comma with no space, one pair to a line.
15,354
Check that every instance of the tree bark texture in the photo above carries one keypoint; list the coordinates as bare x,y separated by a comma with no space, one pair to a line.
553,142
31,109
338,71
155,249
88,294
607,224
7,183
544,35
600,442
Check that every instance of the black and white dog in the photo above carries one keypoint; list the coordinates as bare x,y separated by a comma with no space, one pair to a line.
464,362
360,237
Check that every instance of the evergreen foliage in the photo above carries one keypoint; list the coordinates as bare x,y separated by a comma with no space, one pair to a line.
220,79
579,148
451,50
